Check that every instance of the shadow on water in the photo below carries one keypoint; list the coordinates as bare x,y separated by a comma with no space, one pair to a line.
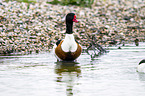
68,73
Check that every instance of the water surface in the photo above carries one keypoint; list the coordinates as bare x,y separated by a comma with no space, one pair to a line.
111,74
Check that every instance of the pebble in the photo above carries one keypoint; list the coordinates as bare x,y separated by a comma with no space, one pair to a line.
35,27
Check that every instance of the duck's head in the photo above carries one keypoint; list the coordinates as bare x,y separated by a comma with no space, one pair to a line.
142,61
71,17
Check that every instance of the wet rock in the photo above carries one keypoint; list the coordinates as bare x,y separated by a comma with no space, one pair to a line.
33,37
1,40
127,18
112,42
133,27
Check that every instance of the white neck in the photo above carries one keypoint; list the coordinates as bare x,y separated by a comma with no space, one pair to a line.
69,44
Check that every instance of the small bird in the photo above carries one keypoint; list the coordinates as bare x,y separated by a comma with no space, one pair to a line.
136,42
68,49
141,66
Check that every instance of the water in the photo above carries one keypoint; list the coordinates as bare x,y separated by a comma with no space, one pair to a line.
112,74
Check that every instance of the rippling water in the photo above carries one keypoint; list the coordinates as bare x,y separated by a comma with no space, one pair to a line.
112,74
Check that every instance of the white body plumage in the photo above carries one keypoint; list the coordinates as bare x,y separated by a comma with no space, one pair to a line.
69,44
141,68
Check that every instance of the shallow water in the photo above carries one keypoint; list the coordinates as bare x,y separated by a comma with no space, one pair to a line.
111,74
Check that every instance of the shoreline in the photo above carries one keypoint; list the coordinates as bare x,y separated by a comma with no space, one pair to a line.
35,27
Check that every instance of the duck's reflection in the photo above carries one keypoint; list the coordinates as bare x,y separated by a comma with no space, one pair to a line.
68,72
141,76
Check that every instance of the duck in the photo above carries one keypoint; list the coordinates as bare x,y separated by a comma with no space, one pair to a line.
68,49
141,66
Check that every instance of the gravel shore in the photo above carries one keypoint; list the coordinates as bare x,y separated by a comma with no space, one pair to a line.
35,27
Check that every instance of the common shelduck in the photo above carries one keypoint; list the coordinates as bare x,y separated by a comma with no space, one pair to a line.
68,49
141,66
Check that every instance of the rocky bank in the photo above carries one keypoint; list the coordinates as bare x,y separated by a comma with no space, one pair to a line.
35,27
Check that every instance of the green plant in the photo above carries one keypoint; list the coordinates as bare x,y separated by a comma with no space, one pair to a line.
26,1
84,3
54,2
